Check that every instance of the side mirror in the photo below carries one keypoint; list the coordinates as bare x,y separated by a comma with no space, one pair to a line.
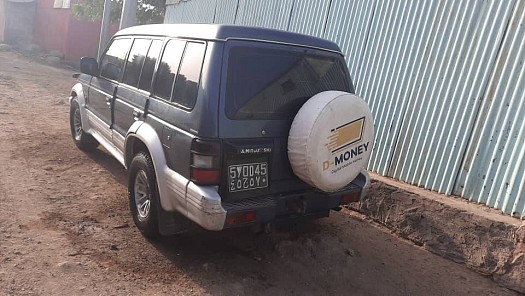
89,66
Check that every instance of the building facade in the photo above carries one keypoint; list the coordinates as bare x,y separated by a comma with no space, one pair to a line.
51,25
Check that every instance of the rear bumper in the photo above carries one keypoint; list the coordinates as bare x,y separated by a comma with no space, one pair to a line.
205,207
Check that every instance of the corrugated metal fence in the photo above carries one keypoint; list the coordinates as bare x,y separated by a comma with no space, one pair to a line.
444,79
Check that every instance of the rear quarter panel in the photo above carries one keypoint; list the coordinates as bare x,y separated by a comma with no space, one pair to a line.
177,127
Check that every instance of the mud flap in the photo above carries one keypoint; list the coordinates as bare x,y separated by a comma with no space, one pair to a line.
171,223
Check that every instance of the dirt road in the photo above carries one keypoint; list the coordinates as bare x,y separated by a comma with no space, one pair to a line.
65,228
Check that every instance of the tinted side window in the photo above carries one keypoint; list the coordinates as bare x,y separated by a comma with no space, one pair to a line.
113,61
187,82
169,65
136,58
149,65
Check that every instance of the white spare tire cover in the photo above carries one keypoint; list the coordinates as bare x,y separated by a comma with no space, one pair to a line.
331,139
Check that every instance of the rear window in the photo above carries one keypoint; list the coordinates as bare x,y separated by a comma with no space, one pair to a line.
169,66
187,81
136,59
273,84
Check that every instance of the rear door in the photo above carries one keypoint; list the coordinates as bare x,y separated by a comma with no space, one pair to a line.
134,91
103,88
265,86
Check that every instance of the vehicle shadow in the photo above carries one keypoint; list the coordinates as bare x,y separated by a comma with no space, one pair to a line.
294,258
108,162
340,255
240,261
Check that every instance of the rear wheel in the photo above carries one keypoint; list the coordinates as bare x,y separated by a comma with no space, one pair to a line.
143,195
82,140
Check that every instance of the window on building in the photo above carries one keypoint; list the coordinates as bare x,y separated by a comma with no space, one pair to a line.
62,4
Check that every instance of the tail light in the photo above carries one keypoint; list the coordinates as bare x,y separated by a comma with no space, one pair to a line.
205,162
241,218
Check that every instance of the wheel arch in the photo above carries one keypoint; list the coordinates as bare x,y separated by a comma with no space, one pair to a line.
143,137
133,146
77,91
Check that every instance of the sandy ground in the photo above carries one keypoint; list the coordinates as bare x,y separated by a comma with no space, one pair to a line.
65,227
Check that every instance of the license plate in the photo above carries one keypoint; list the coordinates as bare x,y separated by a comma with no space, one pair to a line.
248,176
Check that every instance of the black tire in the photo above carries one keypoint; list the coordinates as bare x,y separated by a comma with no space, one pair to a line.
142,189
82,140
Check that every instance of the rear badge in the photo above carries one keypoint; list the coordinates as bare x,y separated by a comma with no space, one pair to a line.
258,150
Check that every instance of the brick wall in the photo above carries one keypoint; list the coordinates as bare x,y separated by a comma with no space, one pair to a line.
57,29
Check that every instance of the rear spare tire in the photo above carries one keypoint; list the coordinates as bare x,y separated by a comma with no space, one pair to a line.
331,139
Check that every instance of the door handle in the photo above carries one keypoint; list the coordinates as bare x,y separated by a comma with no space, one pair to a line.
137,114
108,101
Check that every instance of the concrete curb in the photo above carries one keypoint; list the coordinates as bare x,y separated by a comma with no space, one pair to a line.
480,237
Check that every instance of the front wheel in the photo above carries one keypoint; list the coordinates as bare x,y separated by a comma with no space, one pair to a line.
82,140
143,195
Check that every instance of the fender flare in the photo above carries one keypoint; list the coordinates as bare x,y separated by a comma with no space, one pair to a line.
78,91
171,186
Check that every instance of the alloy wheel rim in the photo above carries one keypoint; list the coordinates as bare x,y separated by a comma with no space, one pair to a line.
142,195
77,124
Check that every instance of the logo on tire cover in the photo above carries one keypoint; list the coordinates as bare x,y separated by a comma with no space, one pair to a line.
346,135
342,137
